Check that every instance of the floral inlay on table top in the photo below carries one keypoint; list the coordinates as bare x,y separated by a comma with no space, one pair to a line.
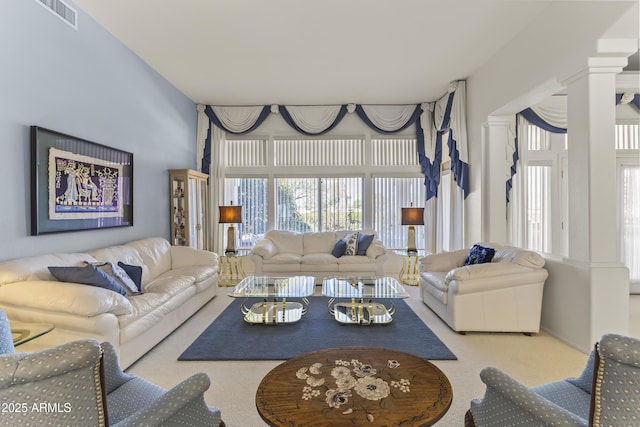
355,386
349,384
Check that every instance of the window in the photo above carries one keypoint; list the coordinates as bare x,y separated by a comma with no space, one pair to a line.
628,164
392,194
545,188
251,194
543,158
319,204
323,184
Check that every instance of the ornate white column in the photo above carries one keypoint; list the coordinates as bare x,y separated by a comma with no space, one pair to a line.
495,138
592,194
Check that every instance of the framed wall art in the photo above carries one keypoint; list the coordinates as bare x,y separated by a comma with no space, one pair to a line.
78,184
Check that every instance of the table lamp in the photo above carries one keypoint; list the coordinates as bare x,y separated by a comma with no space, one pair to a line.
230,215
412,216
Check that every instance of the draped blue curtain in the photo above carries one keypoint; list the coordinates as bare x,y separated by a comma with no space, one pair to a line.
206,158
212,116
535,119
287,118
363,116
635,101
429,167
515,157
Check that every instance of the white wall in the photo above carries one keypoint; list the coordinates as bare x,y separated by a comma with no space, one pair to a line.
529,69
87,84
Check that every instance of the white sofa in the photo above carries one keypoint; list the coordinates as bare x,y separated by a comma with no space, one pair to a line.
504,295
288,254
176,282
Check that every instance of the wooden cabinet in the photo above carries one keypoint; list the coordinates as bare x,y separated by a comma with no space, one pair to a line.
189,208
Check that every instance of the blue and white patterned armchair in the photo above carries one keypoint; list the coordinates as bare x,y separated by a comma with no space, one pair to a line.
607,393
64,386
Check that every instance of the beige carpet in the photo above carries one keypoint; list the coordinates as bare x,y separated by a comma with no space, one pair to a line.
532,360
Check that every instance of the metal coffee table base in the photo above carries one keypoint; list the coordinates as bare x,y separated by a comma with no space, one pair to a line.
274,312
361,312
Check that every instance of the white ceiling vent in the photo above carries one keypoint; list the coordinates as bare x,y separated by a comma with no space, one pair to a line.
62,10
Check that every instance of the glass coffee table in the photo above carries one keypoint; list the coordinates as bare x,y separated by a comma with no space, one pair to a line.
274,291
362,309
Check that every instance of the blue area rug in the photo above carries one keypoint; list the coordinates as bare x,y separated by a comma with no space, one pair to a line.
229,337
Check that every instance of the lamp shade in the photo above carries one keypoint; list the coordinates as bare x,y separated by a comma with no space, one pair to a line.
230,214
412,216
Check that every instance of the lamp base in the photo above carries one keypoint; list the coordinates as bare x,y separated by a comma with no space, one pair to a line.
411,246
231,241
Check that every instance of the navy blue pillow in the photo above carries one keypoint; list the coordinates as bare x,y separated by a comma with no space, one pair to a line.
134,272
479,255
364,241
88,275
339,249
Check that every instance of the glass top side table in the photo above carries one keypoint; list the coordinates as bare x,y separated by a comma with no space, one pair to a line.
231,270
362,291
409,275
274,292
23,332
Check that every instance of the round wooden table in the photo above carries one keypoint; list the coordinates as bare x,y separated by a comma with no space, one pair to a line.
355,386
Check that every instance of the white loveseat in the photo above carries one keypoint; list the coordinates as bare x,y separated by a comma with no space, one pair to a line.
504,295
176,281
288,254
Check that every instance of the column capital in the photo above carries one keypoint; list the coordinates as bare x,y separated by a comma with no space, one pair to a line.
598,65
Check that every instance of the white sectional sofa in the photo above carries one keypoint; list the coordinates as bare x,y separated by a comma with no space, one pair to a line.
176,281
287,253
504,295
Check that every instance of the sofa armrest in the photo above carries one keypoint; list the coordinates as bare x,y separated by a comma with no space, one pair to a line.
444,261
489,269
514,401
185,256
265,248
184,403
376,249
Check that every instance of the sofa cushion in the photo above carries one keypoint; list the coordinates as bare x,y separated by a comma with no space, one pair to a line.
353,260
519,256
156,255
286,241
126,255
319,259
87,275
35,268
64,297
567,396
479,255
284,258
318,242
376,249
265,248
364,241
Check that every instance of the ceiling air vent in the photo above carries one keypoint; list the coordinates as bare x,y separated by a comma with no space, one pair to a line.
62,10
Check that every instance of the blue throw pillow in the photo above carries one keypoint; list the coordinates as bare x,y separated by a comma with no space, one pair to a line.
364,241
133,271
88,275
339,249
479,255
